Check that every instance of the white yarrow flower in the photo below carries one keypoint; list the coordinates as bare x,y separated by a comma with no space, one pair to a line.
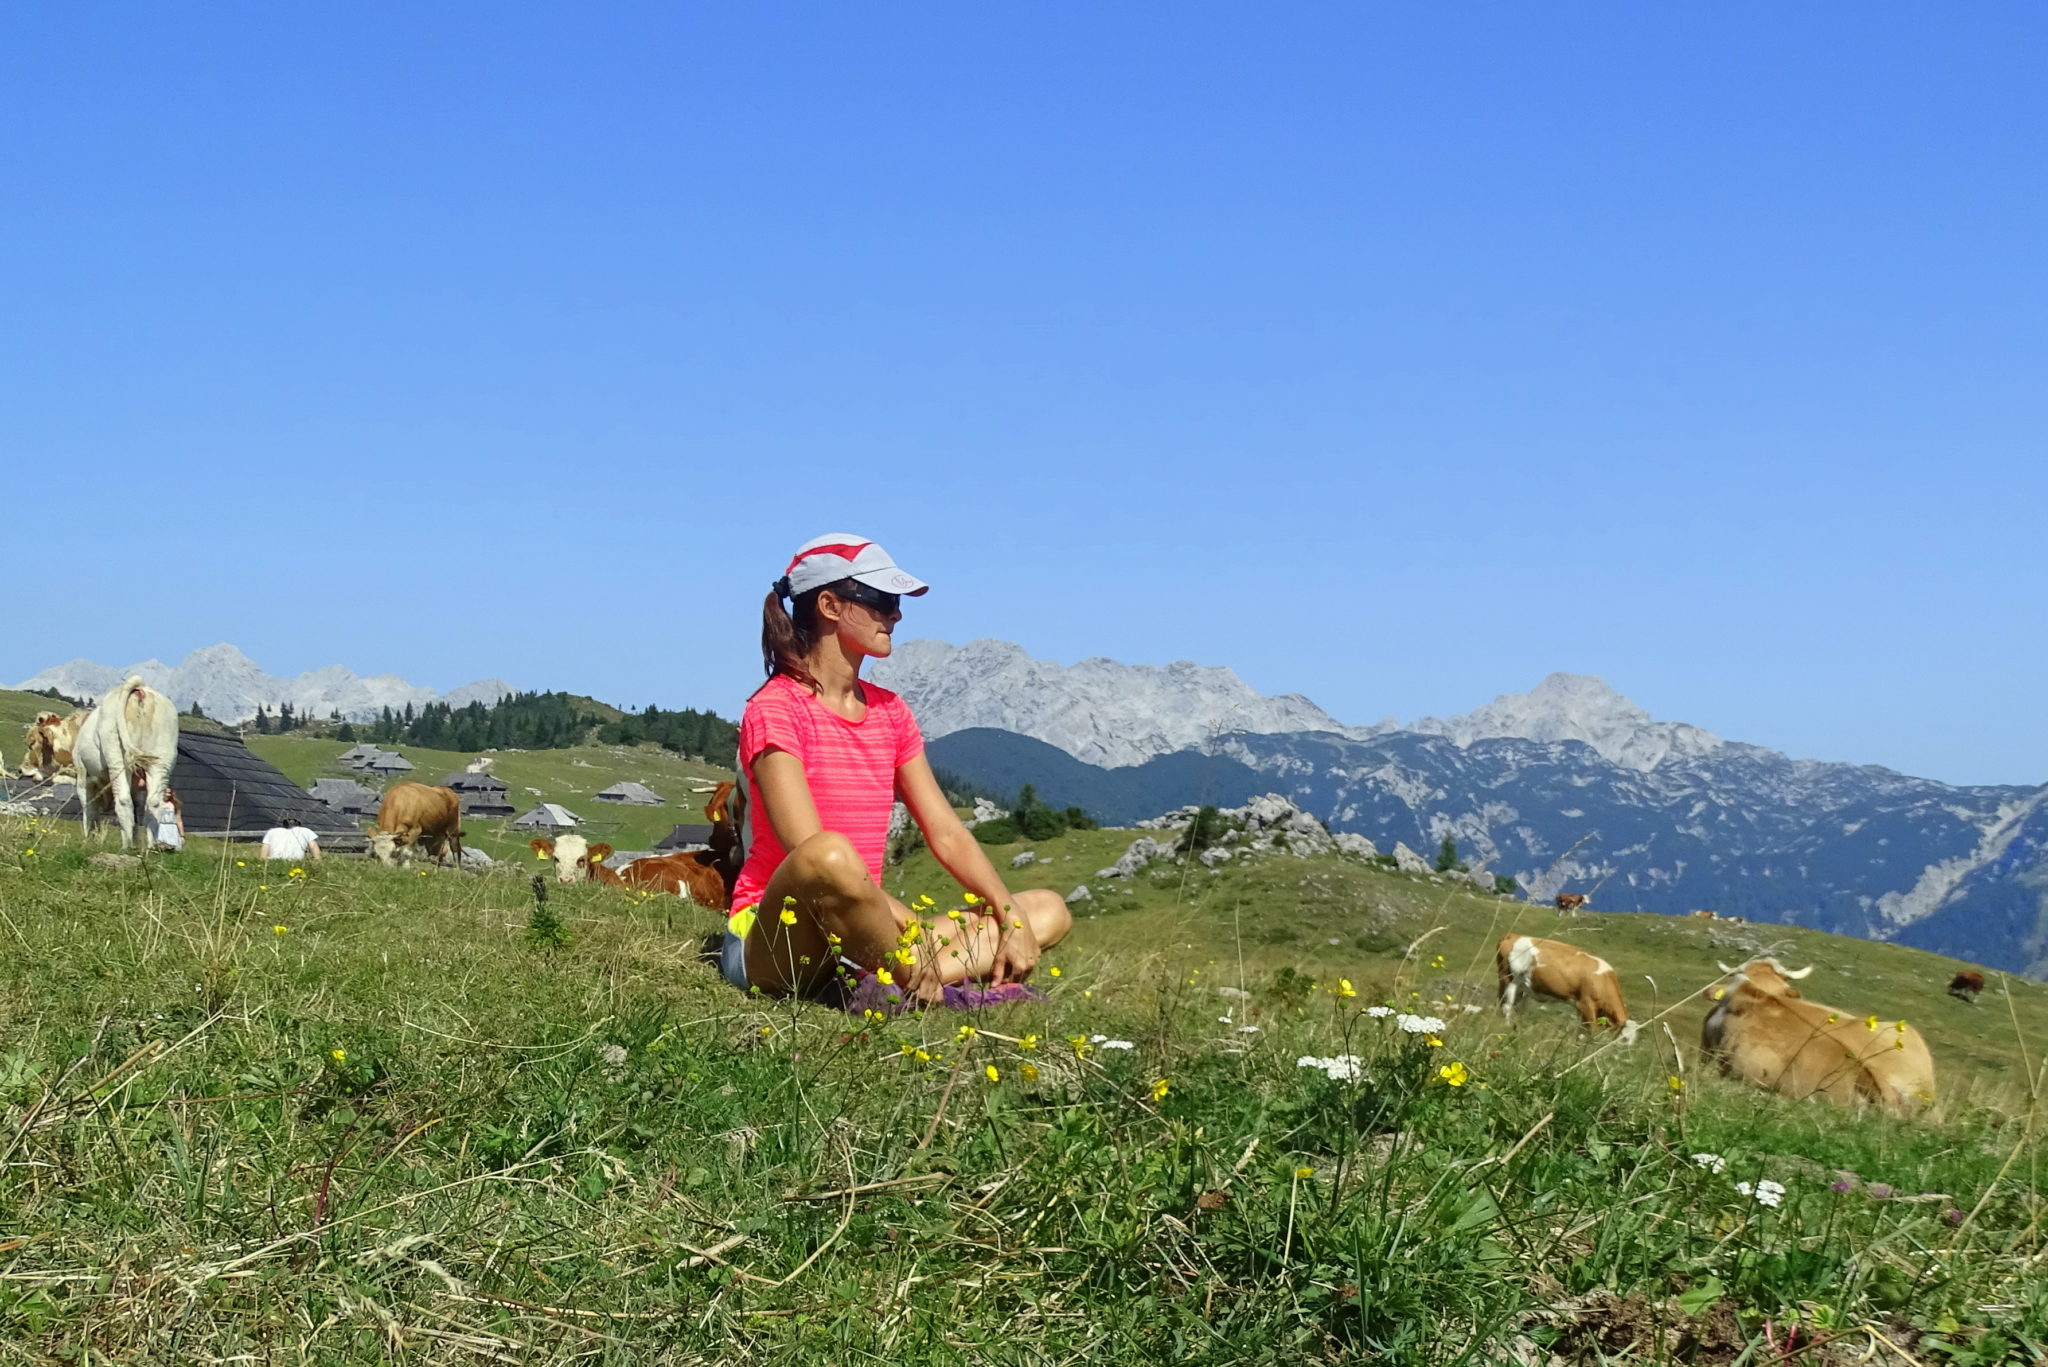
1419,1025
1341,1068
1712,1162
1765,1192
1247,1029
1379,1012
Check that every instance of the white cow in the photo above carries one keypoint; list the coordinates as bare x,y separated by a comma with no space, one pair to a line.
130,741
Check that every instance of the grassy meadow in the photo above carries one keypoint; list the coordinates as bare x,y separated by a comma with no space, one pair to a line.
358,1115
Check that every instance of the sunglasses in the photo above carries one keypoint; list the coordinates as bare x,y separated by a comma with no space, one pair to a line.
853,591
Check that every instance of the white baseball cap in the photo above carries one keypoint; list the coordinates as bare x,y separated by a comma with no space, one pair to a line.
835,556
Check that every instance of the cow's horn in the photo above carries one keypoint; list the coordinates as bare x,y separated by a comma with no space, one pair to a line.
1801,973
1723,967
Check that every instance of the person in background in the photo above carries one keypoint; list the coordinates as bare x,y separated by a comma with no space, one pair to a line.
170,822
289,840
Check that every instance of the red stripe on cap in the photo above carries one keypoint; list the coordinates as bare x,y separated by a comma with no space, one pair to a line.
844,550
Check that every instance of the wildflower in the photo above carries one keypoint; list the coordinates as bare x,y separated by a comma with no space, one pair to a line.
1870,1022
1339,1068
296,873
263,887
883,976
339,1055
923,1057
1052,972
1080,1045
1899,1026
788,917
613,1055
1765,1192
32,852
1247,1029
789,901
991,1073
1675,1083
1345,989
1453,1073
953,913
1029,1072
870,1014
1160,1087
1879,1191
1419,1025
972,900
906,957
1303,1174
1433,1042
831,939
767,1029
1952,1216
909,1049
1712,1162
1841,1186
924,900
1379,1012
1113,1043
1028,1042
1834,1016
966,1033
280,930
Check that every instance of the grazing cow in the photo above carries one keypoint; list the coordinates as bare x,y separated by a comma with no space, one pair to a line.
1761,1030
576,860
51,741
1552,968
414,815
1570,901
1708,915
1966,985
128,743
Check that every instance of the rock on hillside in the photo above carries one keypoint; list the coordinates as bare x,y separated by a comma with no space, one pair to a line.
1098,711
230,686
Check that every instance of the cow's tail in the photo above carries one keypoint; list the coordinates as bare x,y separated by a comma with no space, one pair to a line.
149,734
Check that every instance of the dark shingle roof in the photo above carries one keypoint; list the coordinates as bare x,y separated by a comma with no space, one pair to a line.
228,792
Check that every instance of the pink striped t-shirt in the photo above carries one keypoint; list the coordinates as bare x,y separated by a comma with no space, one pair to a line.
850,767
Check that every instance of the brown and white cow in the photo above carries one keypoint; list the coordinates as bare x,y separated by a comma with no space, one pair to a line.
1570,901
1762,1031
417,816
1552,968
125,750
52,738
690,875
577,860
1707,915
1966,985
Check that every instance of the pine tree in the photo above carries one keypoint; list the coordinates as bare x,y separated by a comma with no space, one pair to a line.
1447,857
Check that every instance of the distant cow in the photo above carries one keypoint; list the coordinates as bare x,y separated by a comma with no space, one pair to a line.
1761,1030
413,815
1552,968
1708,915
1570,901
52,739
577,860
1966,985
128,743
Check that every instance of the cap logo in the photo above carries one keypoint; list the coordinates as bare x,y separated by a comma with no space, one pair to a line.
844,550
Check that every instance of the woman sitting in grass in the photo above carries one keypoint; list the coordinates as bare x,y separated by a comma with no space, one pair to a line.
823,759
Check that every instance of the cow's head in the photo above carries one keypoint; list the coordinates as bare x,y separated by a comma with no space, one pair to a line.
1766,976
573,856
385,849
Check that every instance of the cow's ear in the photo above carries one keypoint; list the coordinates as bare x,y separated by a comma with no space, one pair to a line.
600,852
543,848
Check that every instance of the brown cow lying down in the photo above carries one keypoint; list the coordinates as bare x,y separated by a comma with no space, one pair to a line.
1761,1030
1552,968
692,875
414,815
576,860
1570,901
1966,985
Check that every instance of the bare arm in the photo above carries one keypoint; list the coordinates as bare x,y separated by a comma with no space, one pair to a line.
962,856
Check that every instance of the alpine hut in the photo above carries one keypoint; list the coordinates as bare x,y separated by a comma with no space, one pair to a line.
630,795
228,793
346,796
356,756
386,764
683,839
481,794
548,816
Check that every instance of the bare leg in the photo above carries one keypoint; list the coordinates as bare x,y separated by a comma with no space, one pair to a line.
837,910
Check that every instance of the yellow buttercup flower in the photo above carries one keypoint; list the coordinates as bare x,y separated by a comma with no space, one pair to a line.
1899,1026
788,917
906,957
1870,1023
972,900
280,930
1432,1041
1454,1073
296,873
883,977
1675,1083
1303,1174
1028,1042
1029,1072
339,1055
1053,972
991,1073
1160,1087
954,913
1345,989
966,1032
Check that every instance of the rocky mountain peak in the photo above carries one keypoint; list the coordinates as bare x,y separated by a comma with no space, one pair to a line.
1576,707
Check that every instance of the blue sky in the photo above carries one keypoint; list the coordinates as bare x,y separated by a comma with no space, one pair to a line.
1396,356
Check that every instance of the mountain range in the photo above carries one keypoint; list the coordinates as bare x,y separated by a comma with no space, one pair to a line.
1568,787
229,686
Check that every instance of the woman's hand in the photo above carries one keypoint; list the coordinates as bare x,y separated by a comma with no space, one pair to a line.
1017,949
